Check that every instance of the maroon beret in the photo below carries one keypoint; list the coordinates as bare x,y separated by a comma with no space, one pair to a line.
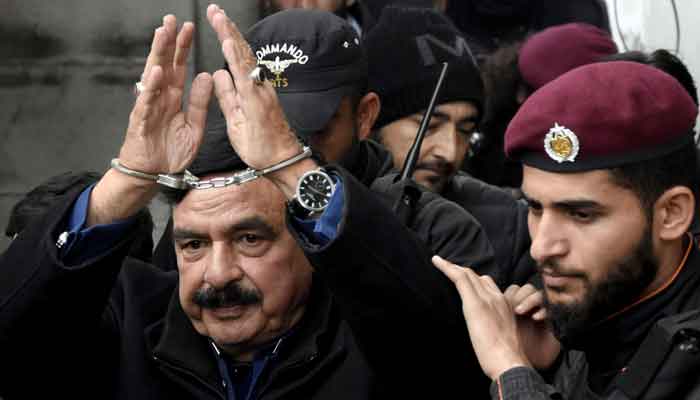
602,115
556,50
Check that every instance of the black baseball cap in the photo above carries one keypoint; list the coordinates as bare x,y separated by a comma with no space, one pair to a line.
314,59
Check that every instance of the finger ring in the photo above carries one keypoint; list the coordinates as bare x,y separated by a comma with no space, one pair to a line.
138,88
257,75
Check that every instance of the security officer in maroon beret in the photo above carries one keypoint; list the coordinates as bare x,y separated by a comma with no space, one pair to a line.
515,71
608,162
554,51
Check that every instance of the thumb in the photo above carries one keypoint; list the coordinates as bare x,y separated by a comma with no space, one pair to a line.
200,94
225,92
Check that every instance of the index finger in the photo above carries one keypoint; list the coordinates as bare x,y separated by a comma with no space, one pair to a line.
460,277
237,52
516,294
183,44
530,304
222,24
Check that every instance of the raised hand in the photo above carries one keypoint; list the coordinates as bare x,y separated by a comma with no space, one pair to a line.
161,137
257,127
490,320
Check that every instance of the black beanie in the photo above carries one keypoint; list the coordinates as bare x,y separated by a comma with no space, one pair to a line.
406,49
216,155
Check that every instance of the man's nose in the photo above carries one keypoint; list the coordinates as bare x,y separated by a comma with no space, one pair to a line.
548,239
449,143
223,266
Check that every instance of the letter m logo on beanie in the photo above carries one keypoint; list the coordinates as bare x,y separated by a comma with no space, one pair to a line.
405,49
426,51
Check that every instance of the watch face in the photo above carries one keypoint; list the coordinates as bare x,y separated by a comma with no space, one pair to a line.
315,190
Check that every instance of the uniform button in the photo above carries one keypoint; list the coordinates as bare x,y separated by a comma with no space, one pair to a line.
689,341
62,239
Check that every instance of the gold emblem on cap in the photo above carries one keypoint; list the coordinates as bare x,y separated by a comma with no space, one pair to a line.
269,56
277,67
561,144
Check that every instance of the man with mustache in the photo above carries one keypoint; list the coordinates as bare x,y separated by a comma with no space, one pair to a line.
611,193
246,315
231,295
406,51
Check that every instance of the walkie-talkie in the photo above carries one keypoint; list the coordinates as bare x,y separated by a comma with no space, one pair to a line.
410,193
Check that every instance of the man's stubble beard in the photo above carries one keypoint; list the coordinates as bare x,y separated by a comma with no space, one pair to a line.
623,285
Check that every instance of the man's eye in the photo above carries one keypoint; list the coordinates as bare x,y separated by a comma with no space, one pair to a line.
192,245
432,129
534,208
536,212
466,132
466,129
250,239
582,216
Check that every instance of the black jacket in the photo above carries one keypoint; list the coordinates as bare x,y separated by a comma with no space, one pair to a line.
405,314
651,351
447,227
489,212
112,327
500,217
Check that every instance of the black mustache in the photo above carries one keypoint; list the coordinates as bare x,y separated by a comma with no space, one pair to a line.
557,270
441,168
231,295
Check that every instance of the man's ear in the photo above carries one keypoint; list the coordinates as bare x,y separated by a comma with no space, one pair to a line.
674,212
367,113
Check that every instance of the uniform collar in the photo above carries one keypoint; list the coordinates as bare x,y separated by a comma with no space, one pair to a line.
661,289
611,343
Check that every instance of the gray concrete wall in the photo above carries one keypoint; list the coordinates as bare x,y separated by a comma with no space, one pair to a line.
66,75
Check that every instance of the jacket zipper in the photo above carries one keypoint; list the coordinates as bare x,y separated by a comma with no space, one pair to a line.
189,374
289,367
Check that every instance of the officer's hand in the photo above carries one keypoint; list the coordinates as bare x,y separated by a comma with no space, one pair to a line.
526,300
541,347
490,320
161,137
257,127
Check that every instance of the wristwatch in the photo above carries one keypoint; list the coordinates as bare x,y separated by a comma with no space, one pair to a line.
313,193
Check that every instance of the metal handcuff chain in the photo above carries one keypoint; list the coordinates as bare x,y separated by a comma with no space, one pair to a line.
187,180
246,175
